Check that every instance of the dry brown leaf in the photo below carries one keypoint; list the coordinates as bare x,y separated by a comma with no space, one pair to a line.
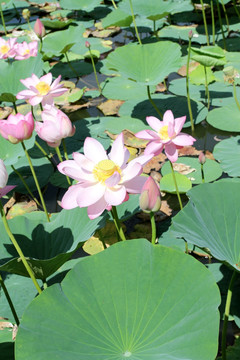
70,108
5,325
183,168
14,332
129,139
21,208
155,163
209,155
192,66
5,112
110,107
188,150
161,87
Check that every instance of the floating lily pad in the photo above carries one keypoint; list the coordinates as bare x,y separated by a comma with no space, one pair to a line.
84,5
191,168
117,18
227,152
197,76
10,153
154,61
131,311
226,118
167,183
56,24
211,220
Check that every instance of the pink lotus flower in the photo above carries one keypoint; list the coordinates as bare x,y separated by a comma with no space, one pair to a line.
7,48
41,90
167,135
150,198
25,50
55,126
103,180
39,29
17,127
4,188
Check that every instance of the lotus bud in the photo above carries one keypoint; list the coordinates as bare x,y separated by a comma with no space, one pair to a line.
39,29
150,197
3,174
87,44
190,34
26,14
202,158
230,74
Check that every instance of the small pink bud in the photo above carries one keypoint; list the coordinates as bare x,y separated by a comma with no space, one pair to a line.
87,44
190,34
17,127
150,197
39,29
202,158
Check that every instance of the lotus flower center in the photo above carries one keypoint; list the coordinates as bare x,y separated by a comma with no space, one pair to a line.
163,133
43,88
4,49
105,169
27,52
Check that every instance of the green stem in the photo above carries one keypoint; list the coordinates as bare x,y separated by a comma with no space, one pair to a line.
26,185
213,23
226,16
40,47
153,103
9,300
226,315
176,187
71,67
61,160
44,153
15,107
235,8
36,180
65,149
206,88
94,69
41,107
154,231
114,5
134,22
202,173
2,18
205,21
117,223
221,25
187,86
235,95
18,249
29,24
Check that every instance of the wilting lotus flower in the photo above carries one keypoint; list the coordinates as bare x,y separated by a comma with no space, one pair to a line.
24,50
103,180
4,188
150,198
39,29
41,90
55,126
167,135
7,48
17,127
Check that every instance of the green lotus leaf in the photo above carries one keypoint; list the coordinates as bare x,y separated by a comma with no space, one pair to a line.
56,24
197,76
192,169
225,118
227,152
10,153
118,304
146,64
117,18
209,55
84,5
211,220
167,183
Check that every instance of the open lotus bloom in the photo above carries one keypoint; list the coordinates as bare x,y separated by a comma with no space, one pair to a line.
55,126
24,50
7,48
4,188
41,90
17,127
166,135
103,180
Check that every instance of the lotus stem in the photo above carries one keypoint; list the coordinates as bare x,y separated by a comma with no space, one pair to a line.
18,249
235,95
36,181
9,300
2,18
61,160
202,173
226,315
65,149
226,16
94,69
114,5
15,107
154,231
206,88
25,185
235,8
117,223
153,103
221,25
187,85
40,47
213,23
176,186
134,22
205,21
44,153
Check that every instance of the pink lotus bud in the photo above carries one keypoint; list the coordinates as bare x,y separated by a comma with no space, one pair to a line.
190,34
39,29
87,44
202,158
17,127
3,174
150,197
55,126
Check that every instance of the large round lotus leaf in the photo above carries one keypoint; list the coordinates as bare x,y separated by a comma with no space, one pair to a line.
197,76
226,118
47,245
117,18
84,5
124,89
221,94
211,220
227,152
116,125
13,72
133,300
167,183
10,153
209,55
143,108
147,64
191,168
